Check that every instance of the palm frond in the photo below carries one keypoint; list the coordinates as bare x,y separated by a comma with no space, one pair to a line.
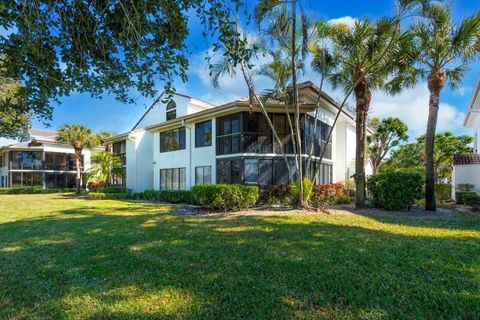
264,7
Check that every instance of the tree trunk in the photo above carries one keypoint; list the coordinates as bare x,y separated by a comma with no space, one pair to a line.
78,164
375,166
363,97
436,82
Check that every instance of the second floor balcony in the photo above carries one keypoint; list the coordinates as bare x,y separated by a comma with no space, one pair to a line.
267,144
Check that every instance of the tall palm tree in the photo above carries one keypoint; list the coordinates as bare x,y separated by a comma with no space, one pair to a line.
363,62
108,166
442,52
79,137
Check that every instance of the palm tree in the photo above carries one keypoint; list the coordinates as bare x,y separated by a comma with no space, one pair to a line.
363,60
79,137
442,51
104,135
108,166
270,8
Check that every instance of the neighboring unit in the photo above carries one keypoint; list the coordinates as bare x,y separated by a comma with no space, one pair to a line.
466,168
39,161
184,141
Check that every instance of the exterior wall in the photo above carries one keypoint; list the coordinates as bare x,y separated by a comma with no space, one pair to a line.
189,158
344,164
157,114
139,161
466,174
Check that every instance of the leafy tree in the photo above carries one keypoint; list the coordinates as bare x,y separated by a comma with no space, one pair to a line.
441,52
411,156
14,120
14,110
408,156
79,137
108,165
447,145
56,47
388,133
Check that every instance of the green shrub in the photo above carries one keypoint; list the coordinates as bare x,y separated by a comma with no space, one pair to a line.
276,194
465,187
171,196
471,200
114,189
395,190
30,190
308,190
443,191
344,199
228,197
112,196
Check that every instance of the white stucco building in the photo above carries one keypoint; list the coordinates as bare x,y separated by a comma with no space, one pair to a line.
184,141
466,168
39,160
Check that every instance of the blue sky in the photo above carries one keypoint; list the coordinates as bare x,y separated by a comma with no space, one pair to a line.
107,114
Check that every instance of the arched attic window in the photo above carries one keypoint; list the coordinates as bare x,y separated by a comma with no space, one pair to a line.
171,110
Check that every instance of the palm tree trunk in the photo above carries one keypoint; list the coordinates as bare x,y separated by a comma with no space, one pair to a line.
436,82
430,201
363,96
78,157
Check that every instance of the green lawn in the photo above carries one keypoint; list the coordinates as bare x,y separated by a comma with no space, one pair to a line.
65,257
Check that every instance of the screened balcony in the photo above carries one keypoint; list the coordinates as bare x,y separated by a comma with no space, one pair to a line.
249,133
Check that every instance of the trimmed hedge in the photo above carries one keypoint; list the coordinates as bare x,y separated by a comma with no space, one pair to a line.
395,190
114,189
33,190
112,196
172,196
227,197
471,200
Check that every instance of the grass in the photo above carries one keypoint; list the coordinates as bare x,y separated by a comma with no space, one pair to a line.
63,257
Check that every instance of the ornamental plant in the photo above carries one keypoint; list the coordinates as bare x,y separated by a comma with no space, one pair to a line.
394,190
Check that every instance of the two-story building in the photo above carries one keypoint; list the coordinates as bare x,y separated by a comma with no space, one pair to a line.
40,161
184,141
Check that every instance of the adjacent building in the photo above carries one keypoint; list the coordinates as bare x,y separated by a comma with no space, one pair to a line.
40,161
183,141
466,168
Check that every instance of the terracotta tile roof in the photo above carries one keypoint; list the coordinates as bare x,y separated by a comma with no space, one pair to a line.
473,158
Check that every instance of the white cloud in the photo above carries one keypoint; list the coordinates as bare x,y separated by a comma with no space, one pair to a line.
412,107
348,20
462,90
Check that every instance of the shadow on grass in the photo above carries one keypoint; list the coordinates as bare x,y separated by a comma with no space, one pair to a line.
140,261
